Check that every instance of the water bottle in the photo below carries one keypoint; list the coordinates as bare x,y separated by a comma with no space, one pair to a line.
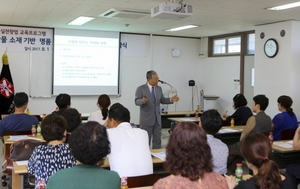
238,172
38,130
41,184
33,130
271,137
232,122
124,183
27,111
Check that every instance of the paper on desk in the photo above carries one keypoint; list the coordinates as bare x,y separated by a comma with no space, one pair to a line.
187,119
161,155
229,130
284,144
20,137
25,162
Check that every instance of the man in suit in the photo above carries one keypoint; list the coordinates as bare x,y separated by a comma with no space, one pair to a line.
149,97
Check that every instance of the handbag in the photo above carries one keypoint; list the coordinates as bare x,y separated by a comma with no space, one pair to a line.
22,149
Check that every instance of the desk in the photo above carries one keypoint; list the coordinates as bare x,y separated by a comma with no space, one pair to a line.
230,138
17,178
167,123
285,156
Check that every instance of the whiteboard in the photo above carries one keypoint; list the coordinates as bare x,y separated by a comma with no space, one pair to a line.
40,84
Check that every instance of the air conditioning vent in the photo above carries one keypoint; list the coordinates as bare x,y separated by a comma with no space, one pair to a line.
124,14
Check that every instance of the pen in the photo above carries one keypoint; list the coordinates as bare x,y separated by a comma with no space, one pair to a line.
226,111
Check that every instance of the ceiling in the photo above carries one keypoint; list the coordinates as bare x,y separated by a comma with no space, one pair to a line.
216,17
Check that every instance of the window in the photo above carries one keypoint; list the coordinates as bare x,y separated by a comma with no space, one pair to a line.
228,45
251,43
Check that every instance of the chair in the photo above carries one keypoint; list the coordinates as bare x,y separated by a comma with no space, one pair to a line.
140,181
7,165
287,134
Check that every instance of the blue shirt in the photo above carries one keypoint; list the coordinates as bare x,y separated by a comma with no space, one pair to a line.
17,122
283,121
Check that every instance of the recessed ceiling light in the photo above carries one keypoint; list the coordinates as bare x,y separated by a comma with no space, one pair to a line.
182,28
286,6
81,20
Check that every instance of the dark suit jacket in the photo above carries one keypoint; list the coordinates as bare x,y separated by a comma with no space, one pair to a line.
150,111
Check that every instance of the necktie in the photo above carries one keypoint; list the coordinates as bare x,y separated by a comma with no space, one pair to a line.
153,94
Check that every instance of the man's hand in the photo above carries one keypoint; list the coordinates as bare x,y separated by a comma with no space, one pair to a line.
175,98
144,100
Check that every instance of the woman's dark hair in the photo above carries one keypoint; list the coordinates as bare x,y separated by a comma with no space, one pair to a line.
104,102
257,150
239,100
53,127
73,118
286,102
89,143
188,153
262,100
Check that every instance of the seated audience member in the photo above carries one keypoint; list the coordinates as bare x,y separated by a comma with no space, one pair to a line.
260,122
294,170
189,160
73,119
63,101
285,120
18,121
101,115
257,151
55,155
212,122
90,145
242,111
130,154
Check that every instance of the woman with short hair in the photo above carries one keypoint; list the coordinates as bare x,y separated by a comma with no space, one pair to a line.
242,111
55,155
90,145
189,160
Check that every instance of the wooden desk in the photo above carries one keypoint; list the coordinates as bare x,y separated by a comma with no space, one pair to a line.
16,178
230,138
167,123
285,156
18,170
145,187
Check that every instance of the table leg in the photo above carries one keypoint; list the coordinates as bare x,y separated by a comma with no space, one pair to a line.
16,180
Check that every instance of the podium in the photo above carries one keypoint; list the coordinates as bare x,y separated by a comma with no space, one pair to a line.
206,97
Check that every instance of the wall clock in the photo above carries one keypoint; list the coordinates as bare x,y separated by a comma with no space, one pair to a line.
271,48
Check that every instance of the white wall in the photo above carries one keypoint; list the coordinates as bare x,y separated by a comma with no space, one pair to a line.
176,71
279,75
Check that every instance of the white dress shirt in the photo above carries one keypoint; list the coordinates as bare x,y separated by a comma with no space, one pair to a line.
130,154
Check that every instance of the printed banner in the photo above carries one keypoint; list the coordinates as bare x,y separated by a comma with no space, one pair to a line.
24,39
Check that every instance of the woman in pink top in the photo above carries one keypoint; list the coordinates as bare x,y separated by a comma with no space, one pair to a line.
189,161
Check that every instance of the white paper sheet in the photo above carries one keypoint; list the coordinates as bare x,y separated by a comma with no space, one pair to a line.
284,144
25,162
161,155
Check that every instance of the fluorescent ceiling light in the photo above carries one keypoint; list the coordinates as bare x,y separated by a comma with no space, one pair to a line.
182,28
81,20
286,6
